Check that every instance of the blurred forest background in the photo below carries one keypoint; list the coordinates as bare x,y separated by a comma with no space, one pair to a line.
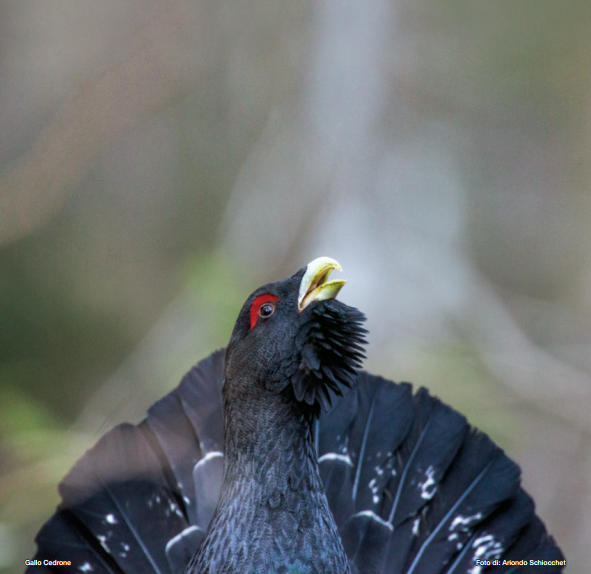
159,160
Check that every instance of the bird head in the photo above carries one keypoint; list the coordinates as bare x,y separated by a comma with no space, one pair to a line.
293,336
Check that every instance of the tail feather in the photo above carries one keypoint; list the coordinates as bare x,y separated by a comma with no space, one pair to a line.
200,395
534,544
188,425
336,471
365,538
174,438
445,535
64,538
361,428
430,494
130,503
333,434
207,481
180,548
126,510
424,457
383,422
507,523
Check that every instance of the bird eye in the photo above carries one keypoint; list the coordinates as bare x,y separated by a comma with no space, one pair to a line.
262,308
266,310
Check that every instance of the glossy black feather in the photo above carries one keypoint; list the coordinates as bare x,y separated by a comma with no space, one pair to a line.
329,349
442,496
63,538
127,501
507,524
375,447
534,543
188,425
423,459
120,497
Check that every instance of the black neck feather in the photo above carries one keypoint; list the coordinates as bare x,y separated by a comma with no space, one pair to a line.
272,514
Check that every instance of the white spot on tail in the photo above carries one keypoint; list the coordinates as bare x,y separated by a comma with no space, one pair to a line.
209,456
335,456
428,487
103,540
487,547
180,536
464,522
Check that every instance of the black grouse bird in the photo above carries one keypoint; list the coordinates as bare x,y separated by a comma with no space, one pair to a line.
278,456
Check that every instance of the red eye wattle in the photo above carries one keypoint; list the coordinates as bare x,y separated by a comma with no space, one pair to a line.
263,306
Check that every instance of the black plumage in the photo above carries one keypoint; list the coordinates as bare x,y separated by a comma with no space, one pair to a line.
318,467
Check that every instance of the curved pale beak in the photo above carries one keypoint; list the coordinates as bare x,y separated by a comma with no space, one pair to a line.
315,285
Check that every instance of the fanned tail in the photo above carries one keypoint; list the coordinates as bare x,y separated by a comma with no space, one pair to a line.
412,486
140,500
415,489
